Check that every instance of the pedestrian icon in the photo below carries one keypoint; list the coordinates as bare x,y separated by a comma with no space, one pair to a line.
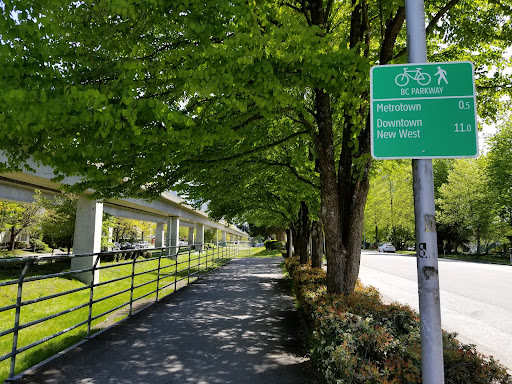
442,75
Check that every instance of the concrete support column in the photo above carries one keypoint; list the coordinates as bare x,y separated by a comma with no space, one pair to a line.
191,236
173,234
159,235
224,237
87,237
217,236
199,237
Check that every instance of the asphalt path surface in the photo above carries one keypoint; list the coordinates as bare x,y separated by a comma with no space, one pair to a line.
236,325
476,298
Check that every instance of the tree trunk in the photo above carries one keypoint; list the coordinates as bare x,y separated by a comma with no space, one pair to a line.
289,244
317,248
344,190
304,226
295,236
353,234
12,240
330,212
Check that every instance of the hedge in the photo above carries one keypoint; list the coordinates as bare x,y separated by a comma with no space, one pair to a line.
359,339
274,244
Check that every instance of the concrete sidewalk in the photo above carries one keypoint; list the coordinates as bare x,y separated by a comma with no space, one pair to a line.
236,325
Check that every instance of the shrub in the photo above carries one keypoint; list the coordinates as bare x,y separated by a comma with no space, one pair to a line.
38,245
274,244
359,339
20,244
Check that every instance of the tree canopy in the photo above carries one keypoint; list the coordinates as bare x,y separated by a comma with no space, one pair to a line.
499,165
130,95
389,213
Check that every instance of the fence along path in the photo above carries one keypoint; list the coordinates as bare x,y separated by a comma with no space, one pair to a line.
235,325
43,309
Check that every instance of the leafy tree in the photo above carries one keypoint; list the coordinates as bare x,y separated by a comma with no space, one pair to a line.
499,168
108,221
210,236
390,204
124,93
146,229
183,233
17,217
442,168
260,189
58,221
465,201
125,229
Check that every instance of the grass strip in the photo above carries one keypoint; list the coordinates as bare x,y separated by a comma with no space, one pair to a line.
114,279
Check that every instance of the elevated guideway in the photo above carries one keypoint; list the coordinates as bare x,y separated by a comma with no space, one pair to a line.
166,210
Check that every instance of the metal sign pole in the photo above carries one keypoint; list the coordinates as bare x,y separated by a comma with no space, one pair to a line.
426,235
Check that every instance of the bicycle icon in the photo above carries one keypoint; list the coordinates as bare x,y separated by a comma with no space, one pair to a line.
402,79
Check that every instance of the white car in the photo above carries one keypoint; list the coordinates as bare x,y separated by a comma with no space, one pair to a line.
388,247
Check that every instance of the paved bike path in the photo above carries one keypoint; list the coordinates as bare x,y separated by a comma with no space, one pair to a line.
235,325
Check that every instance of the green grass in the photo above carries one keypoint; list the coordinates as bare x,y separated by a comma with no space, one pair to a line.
505,260
17,253
260,252
42,288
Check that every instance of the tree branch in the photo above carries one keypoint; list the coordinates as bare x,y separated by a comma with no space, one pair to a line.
257,149
393,28
443,11
291,169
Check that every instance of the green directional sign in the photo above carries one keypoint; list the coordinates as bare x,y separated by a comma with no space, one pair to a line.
423,111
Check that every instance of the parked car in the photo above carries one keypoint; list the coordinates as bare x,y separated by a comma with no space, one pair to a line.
116,246
142,244
127,245
388,247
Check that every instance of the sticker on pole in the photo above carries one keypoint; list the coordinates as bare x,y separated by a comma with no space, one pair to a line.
423,111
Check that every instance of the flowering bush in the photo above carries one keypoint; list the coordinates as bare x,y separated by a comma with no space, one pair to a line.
358,339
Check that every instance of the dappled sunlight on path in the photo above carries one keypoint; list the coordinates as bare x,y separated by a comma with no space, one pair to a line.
236,325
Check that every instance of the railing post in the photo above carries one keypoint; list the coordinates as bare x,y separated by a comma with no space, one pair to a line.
91,296
176,272
24,272
158,275
132,282
199,262
188,270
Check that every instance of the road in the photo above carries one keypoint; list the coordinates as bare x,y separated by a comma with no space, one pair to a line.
475,297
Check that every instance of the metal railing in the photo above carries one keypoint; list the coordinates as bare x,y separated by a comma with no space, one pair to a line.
46,302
